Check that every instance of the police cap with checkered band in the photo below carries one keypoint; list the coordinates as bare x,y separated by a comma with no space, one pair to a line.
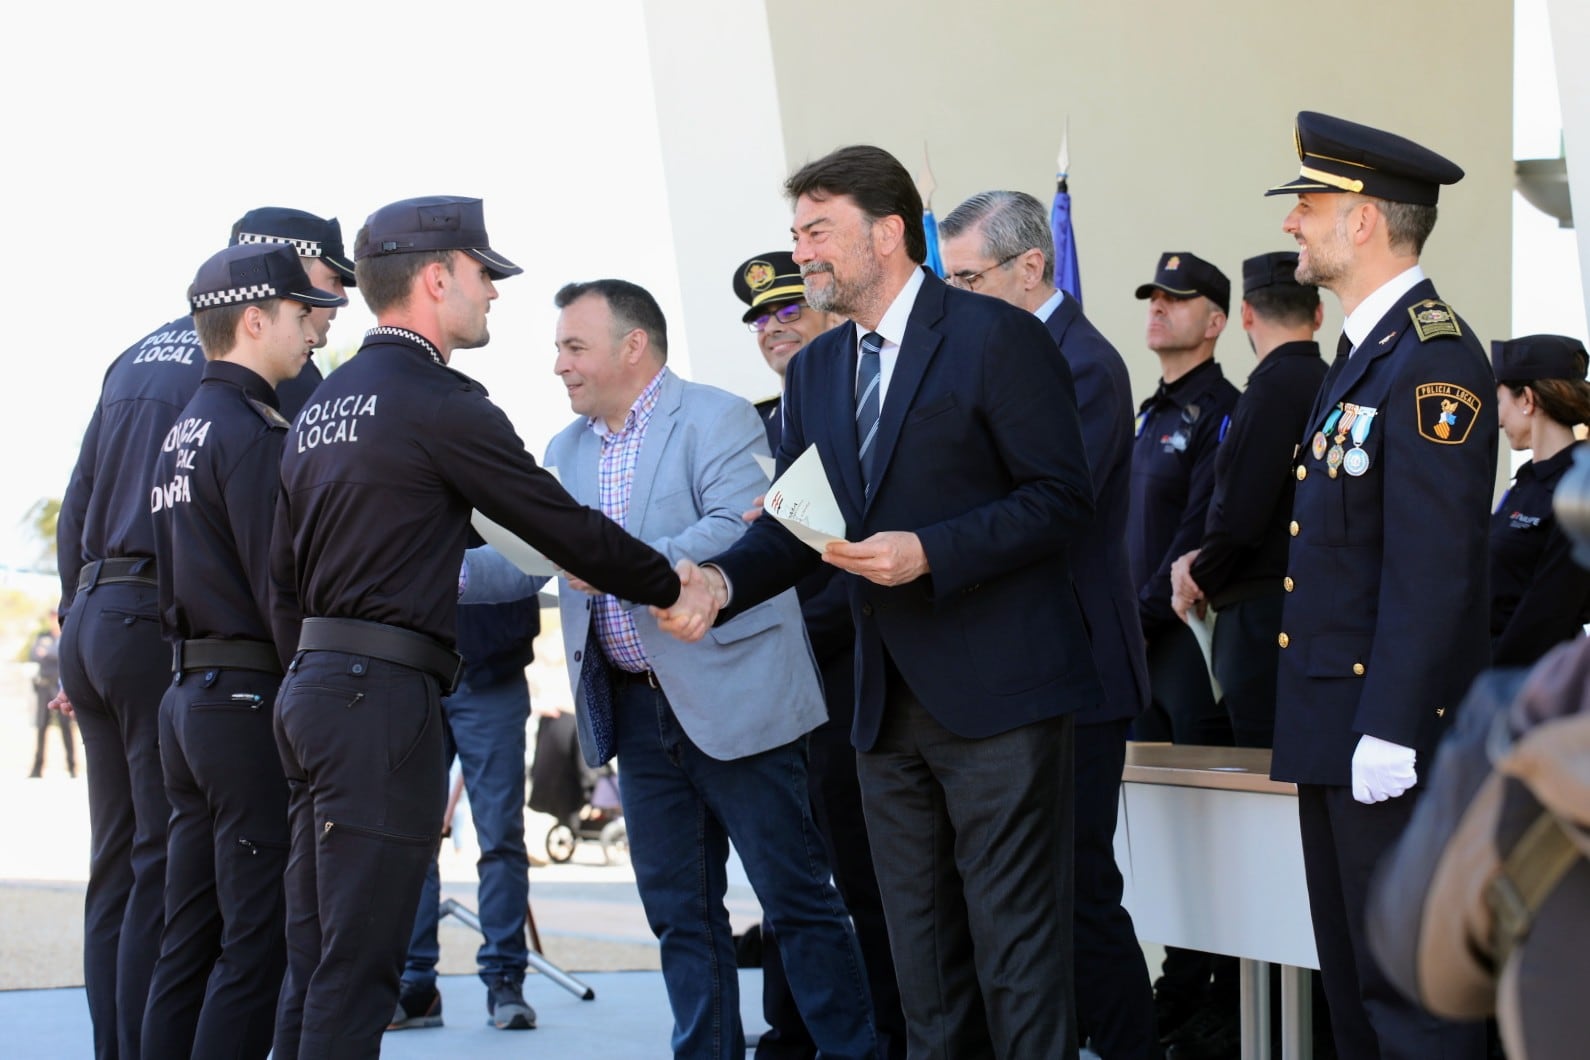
310,236
252,272
433,222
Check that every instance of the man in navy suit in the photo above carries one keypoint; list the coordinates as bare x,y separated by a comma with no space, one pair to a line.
1385,626
949,434
999,243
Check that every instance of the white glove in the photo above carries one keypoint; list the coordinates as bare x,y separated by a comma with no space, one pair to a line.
1382,770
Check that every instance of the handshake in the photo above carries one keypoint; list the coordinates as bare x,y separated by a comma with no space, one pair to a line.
702,594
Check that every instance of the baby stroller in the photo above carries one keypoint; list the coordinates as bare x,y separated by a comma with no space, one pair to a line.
585,801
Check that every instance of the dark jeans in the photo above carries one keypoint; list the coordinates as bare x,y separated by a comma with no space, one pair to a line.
114,668
222,954
1342,841
361,745
487,732
683,808
1246,659
1115,1003
972,842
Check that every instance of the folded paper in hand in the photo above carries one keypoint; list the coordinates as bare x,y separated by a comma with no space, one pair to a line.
519,552
804,503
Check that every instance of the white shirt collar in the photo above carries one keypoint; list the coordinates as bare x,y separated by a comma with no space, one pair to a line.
1379,303
1045,311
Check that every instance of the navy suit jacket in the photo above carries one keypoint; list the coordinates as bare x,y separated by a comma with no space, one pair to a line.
980,454
1099,565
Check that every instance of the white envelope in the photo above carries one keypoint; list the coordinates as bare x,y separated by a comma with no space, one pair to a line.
519,551
802,500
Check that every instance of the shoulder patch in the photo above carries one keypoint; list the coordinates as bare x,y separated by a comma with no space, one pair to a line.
271,417
1432,319
1446,412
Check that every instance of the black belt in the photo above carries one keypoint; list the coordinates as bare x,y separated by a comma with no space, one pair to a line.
389,643
135,570
216,654
644,677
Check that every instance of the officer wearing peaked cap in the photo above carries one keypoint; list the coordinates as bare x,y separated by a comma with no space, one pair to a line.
1539,596
1381,635
215,984
380,472
318,243
114,664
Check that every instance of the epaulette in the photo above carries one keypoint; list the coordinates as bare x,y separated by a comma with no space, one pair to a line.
1432,319
271,416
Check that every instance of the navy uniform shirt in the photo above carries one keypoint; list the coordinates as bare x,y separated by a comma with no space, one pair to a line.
380,472
1173,476
105,512
1385,627
213,505
1243,554
1539,596
293,394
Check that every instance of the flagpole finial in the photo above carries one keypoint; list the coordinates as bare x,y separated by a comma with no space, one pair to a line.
925,184
1063,162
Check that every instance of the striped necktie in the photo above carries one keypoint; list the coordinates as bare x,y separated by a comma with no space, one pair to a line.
867,402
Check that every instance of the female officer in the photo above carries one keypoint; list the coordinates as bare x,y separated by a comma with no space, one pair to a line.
1539,596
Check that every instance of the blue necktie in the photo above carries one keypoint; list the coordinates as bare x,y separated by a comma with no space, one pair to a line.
867,402
597,684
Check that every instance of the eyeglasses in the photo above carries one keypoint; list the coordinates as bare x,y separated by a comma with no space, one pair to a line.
783,314
967,281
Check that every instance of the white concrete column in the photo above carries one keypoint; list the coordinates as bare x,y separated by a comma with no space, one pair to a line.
1570,39
723,163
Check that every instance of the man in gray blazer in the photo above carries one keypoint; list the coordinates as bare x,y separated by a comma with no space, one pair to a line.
710,736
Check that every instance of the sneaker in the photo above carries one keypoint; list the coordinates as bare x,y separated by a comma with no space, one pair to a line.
417,1009
506,1006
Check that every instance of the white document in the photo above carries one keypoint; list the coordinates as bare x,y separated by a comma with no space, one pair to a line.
519,551
802,500
1204,632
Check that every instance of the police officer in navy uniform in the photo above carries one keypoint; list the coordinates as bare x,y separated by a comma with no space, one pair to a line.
1173,477
380,472
115,668
215,984
1539,596
1381,632
770,285
319,245
1239,567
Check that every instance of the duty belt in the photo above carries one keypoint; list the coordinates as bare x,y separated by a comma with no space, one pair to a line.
217,654
391,644
135,570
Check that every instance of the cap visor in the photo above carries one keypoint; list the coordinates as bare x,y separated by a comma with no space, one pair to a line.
1148,289
344,269
315,296
497,266
1299,185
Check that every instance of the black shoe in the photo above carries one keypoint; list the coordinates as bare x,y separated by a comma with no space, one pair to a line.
417,1009
1216,1038
507,1007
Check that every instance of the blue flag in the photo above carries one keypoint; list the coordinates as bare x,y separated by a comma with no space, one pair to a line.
1067,275
930,227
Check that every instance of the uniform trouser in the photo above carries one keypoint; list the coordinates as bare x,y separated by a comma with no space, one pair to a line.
361,745
1246,659
1342,841
1115,1004
114,669
1183,708
222,954
972,842
836,808
43,719
487,727
683,808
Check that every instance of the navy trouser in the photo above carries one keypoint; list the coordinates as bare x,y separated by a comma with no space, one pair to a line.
222,954
114,669
1246,660
683,808
361,745
487,732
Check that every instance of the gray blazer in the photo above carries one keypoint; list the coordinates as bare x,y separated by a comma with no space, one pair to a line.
751,684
